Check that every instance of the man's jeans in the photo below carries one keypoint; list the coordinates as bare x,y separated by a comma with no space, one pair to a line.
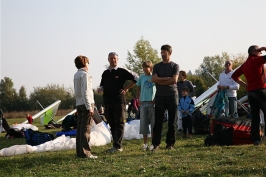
163,103
257,101
231,107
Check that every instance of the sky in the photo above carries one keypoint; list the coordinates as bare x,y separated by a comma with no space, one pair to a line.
41,38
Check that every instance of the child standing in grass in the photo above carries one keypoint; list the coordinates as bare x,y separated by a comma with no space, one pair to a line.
146,92
186,107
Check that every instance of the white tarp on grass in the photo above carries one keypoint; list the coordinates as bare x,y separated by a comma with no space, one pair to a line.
100,136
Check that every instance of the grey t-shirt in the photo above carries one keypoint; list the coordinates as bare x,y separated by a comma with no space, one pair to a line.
166,70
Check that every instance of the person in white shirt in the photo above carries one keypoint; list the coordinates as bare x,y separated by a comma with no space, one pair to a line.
226,82
85,107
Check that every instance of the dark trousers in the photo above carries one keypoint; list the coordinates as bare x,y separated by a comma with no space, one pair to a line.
163,103
187,124
84,123
114,114
257,101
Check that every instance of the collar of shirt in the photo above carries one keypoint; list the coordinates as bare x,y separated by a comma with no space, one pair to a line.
115,68
83,69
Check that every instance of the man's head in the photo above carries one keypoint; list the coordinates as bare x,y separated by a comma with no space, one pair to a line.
147,67
113,59
254,50
166,51
185,91
228,65
81,61
182,75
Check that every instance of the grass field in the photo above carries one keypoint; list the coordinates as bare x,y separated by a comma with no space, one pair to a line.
189,158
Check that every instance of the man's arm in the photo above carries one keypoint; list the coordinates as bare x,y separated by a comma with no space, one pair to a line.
127,87
138,93
242,83
158,80
170,81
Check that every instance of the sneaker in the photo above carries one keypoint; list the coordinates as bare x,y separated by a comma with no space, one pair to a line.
169,146
257,143
151,147
114,149
189,136
144,147
155,148
93,157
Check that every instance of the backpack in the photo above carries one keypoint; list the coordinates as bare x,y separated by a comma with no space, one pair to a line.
35,138
201,122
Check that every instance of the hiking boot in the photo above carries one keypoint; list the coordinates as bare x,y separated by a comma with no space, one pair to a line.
151,147
144,147
114,149
169,146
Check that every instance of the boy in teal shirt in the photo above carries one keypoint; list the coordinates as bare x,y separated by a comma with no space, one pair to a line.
146,92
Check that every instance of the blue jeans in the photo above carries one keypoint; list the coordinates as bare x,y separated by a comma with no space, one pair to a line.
231,107
161,104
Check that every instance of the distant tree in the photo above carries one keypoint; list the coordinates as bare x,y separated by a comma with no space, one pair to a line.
189,72
143,51
22,101
51,93
198,83
8,95
214,65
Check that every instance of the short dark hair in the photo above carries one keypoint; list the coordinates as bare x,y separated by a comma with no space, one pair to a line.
80,61
251,49
183,73
167,47
185,89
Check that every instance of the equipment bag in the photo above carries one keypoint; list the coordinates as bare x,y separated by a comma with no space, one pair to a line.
229,131
35,138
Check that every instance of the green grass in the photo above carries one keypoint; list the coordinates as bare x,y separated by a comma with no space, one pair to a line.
189,158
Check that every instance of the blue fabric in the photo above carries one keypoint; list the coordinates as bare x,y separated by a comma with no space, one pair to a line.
69,133
218,107
186,104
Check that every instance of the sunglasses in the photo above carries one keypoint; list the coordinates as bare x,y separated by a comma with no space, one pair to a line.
112,53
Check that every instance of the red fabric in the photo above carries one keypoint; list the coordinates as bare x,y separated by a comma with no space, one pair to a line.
30,120
252,69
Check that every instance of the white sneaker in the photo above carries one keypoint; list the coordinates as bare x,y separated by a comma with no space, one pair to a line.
151,147
144,147
93,157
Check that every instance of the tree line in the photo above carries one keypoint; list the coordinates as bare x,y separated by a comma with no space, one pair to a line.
11,100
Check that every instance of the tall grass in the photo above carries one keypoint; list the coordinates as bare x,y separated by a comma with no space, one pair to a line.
189,158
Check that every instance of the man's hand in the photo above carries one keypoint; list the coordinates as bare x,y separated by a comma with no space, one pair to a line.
123,91
91,112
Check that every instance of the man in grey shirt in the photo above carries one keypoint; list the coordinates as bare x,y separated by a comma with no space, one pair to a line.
165,76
